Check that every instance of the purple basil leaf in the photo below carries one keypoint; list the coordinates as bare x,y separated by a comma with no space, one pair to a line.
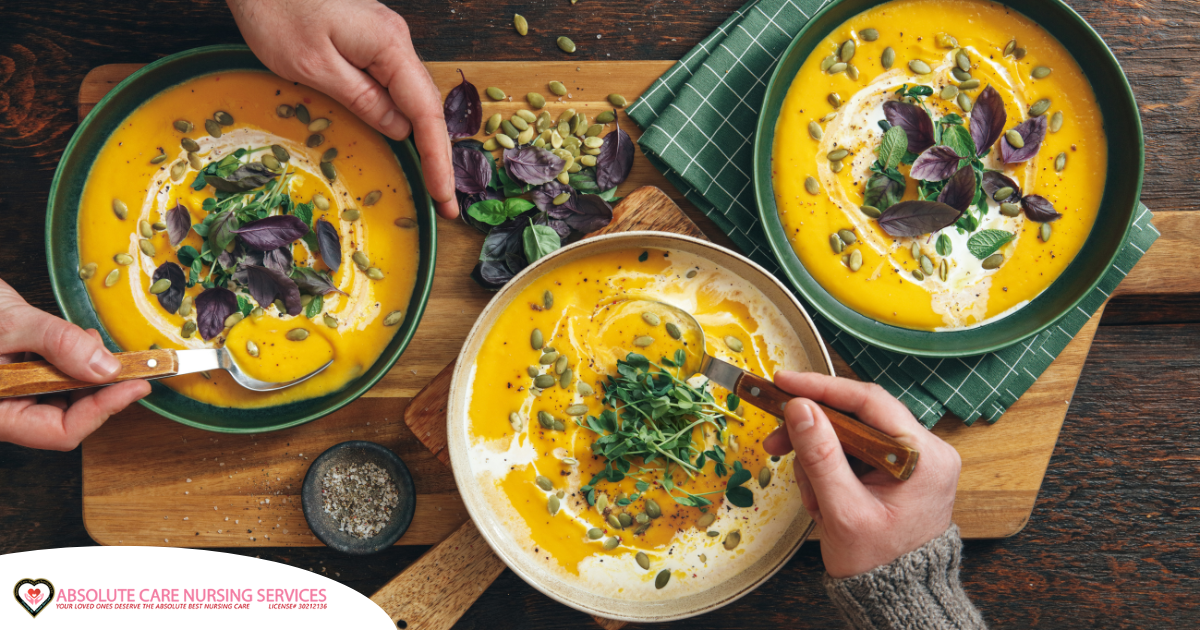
960,190
466,201
917,218
591,214
543,198
272,232
462,110
179,222
246,177
936,164
279,259
993,181
239,257
313,282
914,121
1039,209
212,307
615,159
331,244
987,120
472,171
559,226
491,274
266,285
172,297
532,165
1033,131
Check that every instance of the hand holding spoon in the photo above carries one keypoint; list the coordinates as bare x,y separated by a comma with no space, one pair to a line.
859,440
35,378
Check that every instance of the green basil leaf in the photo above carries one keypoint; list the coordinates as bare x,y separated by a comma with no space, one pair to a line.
895,145
489,211
314,307
539,241
944,246
516,206
741,497
187,254
985,243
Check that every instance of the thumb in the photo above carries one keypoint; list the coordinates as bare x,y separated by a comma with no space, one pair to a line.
63,344
819,454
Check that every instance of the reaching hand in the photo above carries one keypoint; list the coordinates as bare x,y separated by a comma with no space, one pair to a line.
869,521
329,45
59,422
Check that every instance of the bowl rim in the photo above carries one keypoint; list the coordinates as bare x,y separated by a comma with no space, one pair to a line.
463,476
422,288
794,268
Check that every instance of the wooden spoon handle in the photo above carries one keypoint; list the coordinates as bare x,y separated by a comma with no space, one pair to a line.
870,445
39,377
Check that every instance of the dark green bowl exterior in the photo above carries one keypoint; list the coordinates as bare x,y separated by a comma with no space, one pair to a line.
1126,157
63,255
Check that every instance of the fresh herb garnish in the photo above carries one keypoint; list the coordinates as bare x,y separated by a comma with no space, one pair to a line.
985,243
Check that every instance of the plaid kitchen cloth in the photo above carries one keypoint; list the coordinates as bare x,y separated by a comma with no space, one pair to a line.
699,120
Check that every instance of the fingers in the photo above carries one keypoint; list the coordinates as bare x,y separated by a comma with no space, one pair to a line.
65,345
870,402
778,443
819,456
87,414
48,426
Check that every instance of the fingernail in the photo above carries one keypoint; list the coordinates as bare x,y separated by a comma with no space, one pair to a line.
800,415
104,363
388,118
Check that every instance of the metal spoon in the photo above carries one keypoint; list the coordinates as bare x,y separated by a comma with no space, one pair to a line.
859,440
39,377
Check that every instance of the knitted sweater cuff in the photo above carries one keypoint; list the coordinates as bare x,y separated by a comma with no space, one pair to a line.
919,590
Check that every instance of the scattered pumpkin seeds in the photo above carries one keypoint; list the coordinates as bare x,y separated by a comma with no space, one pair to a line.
188,329
870,211
552,504
566,45
814,131
182,126
351,214
1060,162
521,24
734,343
856,260
1010,47
185,307
268,161
1003,193
919,67
732,540
1041,72
544,483
121,259
285,111
888,57
945,40
944,269
847,236
557,88
705,520
611,543
949,93
147,247
1044,232
328,170
662,578
1014,138
643,341
964,102
617,100
112,277
223,118
764,477
314,140
361,260
812,185
993,262
544,381
595,533
393,318
584,389
927,265
643,560
1010,209
506,141
302,113
838,67
969,84
213,128
651,318
918,275
160,286
189,145
835,100
624,519
120,209
868,34
577,410
234,318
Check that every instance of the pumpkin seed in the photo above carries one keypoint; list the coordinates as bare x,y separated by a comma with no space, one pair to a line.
662,578
584,389
160,158
870,211
1056,122
361,260
144,229
764,477
1003,193
595,533
814,131
1014,138
564,179
251,348
147,247
279,306
617,100
964,102
160,286
329,320
734,343
593,142
1041,72
643,341
495,93
515,421
213,128
611,543
518,123
837,154
493,123
624,519
566,45
351,214
320,201
314,141
705,520
602,503
1040,107
375,273
1060,162
548,358
285,111
545,381
918,275
613,521
185,307
189,145
835,100
856,260
838,67
194,161
328,170
1010,46
329,155
1010,209
320,124
506,141
177,171
509,128
643,560
545,419
112,277
533,371
944,269
372,198
945,40
949,92
547,299
587,160
927,265
847,236
188,329
577,410
812,186
732,540
521,24
544,483
491,145
828,62
121,259
605,117
393,318
182,126
868,34
994,261
236,317
836,167
1044,232
268,161
969,84
223,118
560,364
916,251
846,50
302,113
557,88
158,226
691,273
919,67
552,504
888,57
651,318
406,223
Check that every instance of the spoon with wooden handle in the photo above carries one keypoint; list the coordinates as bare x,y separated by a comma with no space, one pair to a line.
35,378
859,440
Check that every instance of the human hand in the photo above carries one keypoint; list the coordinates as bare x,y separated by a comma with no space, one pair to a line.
59,422
328,45
867,521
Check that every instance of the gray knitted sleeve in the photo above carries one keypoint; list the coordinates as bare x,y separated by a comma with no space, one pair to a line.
919,590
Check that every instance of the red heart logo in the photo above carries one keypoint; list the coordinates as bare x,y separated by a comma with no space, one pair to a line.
34,595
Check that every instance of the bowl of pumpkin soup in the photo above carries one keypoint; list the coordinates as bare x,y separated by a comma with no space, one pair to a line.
947,177
595,466
206,202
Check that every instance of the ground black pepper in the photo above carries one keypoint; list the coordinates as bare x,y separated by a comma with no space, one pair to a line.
360,497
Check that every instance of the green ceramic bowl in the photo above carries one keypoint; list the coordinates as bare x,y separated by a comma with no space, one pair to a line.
63,255
1126,157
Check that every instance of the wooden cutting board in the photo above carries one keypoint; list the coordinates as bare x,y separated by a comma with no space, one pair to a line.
150,481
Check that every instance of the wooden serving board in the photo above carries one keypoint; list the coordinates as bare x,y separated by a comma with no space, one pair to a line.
150,481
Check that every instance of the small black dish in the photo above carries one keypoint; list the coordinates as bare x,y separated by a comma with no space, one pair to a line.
322,524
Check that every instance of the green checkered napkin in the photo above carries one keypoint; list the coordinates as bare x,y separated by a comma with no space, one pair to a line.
699,121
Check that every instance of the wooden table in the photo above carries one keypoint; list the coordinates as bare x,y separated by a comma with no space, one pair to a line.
1114,534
